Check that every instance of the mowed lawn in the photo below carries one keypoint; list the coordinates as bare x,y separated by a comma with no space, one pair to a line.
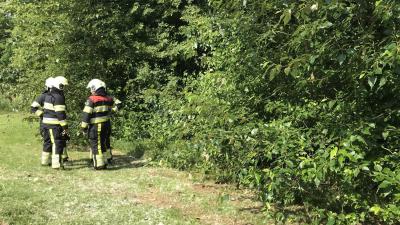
128,193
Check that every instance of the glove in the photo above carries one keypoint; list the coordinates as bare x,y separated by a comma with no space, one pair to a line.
84,130
65,135
117,102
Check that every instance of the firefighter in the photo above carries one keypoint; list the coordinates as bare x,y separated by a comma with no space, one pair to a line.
37,109
54,122
96,122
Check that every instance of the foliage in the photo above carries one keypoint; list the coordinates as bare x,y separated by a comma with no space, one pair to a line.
296,99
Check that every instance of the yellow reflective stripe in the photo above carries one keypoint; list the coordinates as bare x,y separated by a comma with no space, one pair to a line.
88,109
99,119
84,124
54,121
39,112
103,108
36,104
99,140
63,123
53,143
48,106
59,108
50,121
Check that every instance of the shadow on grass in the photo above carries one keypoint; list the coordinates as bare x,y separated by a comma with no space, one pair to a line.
119,162
77,164
125,162
254,210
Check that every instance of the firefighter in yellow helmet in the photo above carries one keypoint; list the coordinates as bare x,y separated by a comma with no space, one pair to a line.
96,122
54,123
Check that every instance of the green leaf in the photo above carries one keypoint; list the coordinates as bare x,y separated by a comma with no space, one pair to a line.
366,130
382,82
341,160
326,24
375,209
289,163
333,153
331,104
365,168
384,184
386,194
312,59
275,71
341,58
378,167
287,70
317,181
331,220
287,15
372,81
356,172
397,197
378,70
385,135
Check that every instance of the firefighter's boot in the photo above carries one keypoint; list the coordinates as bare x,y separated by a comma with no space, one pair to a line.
45,159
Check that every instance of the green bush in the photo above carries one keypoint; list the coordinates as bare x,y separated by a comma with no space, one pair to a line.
296,100
5,105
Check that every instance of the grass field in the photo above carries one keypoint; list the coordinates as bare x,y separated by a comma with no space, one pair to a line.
128,193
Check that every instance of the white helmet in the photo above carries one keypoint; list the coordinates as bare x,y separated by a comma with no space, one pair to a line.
49,82
60,82
95,84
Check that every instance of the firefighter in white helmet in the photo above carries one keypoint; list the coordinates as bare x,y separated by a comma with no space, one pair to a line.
37,109
96,122
54,122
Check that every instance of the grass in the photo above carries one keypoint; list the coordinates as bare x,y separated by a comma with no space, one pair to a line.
128,193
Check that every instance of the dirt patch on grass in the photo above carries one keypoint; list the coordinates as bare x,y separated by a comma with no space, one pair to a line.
207,215
244,199
205,202
209,187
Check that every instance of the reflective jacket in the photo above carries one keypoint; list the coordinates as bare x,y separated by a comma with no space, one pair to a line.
55,109
98,109
37,105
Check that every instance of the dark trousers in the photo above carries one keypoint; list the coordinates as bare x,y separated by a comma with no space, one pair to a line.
99,137
52,139
53,145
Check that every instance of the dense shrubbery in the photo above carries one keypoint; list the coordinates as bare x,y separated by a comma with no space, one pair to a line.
294,98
